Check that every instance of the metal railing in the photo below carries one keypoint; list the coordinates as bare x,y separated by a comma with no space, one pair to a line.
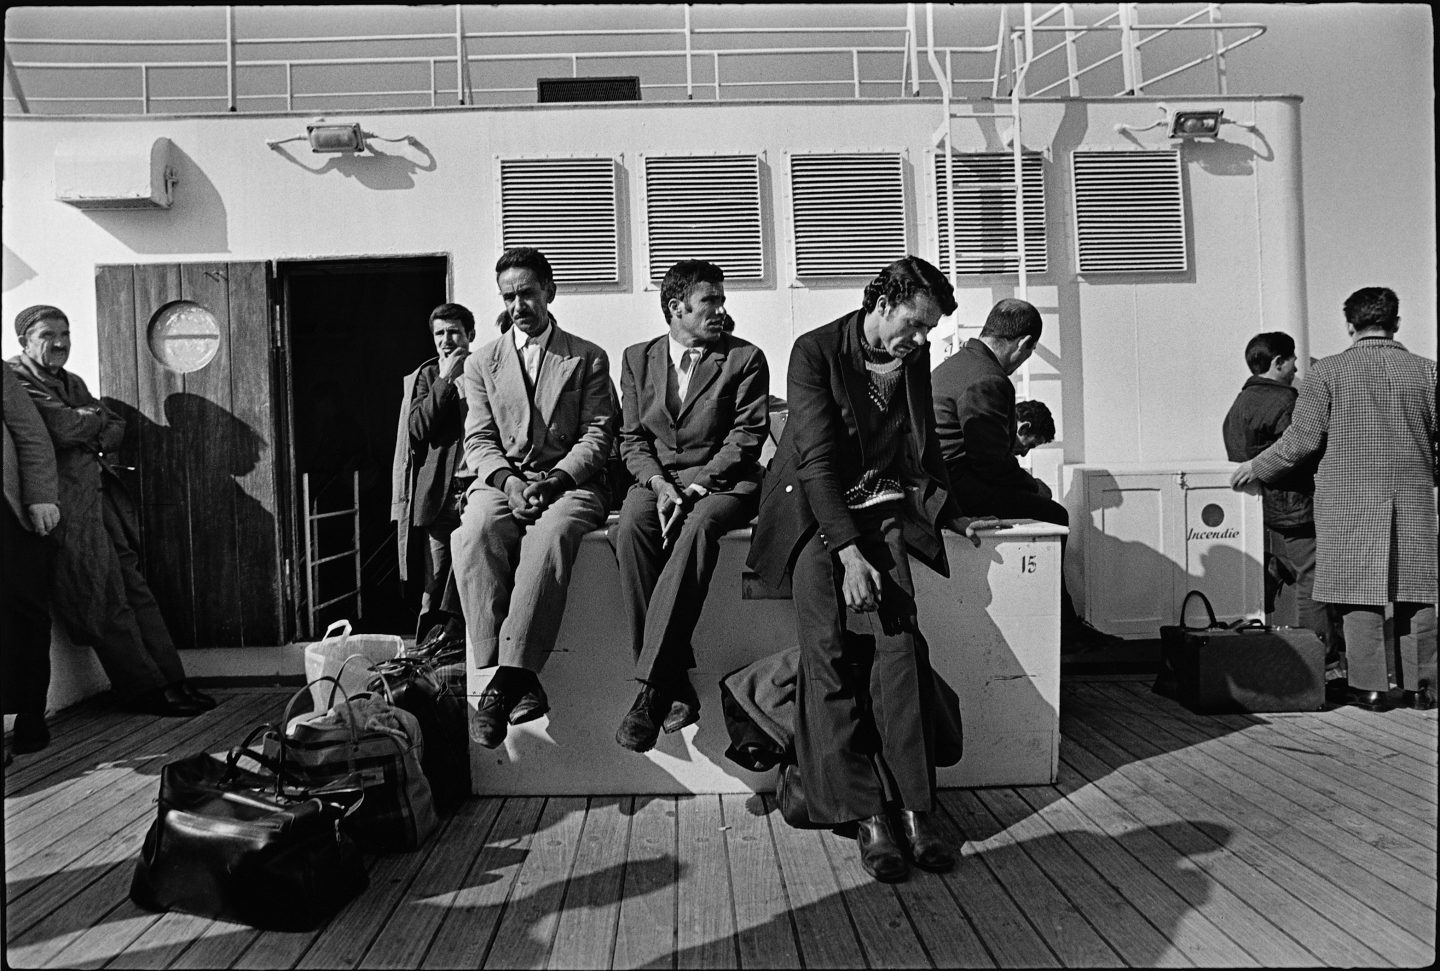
449,76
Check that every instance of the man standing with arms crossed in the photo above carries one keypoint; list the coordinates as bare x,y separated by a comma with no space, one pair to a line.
695,416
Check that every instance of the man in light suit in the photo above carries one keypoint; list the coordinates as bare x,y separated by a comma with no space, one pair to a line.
1368,414
539,428
27,517
695,415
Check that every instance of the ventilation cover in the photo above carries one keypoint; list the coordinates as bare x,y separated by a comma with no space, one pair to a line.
1129,212
705,208
566,208
848,213
115,173
985,214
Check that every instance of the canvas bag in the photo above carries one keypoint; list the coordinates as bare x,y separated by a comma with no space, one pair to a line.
416,687
366,736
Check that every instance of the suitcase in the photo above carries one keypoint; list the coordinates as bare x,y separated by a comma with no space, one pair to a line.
1241,667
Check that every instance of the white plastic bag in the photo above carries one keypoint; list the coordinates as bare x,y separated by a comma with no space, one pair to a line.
325,657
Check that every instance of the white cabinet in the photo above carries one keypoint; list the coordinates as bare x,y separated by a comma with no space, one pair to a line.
1143,536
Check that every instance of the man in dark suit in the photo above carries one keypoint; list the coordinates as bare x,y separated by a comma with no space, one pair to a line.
695,416
539,428
856,485
975,420
431,473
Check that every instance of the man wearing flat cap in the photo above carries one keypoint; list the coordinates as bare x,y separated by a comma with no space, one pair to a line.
100,595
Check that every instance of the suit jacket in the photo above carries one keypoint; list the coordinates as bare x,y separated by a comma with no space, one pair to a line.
975,421
1256,420
574,407
821,453
1369,413
437,422
81,439
716,438
30,474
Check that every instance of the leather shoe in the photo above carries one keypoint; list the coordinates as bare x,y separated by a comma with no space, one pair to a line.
196,695
879,853
684,710
488,718
1369,700
641,725
531,704
31,734
168,702
1422,700
927,847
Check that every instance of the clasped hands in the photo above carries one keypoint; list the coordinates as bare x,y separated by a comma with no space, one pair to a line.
529,499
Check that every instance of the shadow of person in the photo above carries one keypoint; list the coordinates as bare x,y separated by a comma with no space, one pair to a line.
232,524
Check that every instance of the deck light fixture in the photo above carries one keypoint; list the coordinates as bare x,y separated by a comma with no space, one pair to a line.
1196,124
337,138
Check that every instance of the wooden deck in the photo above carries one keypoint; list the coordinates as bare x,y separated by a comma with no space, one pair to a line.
1170,840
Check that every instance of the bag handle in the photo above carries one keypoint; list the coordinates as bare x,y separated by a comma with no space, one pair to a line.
1252,626
1209,611
337,625
285,719
389,696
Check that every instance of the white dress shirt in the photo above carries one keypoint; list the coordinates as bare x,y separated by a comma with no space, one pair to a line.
531,349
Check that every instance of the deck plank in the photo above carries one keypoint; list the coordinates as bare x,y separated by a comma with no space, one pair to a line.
1009,939
585,933
822,924
1283,840
645,929
705,916
1064,929
1283,887
473,909
764,933
1173,849
417,918
1190,933
527,925
1124,926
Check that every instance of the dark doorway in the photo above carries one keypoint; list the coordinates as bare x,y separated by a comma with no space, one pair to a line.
354,329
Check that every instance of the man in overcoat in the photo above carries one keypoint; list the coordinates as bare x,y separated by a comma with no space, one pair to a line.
1369,414
539,429
100,594
856,485
27,517
695,416
429,475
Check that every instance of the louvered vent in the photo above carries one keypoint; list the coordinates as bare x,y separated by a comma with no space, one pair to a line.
566,208
985,214
705,208
1129,212
849,213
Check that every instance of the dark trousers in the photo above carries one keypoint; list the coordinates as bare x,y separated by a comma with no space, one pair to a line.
863,736
663,590
440,601
1293,553
1013,505
28,562
1368,646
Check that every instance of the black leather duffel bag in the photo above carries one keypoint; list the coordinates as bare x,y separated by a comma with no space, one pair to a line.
244,846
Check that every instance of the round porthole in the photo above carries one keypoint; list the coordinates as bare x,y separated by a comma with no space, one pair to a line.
184,336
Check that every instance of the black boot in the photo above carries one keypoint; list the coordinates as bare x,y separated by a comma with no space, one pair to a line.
928,848
641,725
879,853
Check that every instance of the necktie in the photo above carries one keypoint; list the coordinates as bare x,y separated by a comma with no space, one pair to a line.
687,368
